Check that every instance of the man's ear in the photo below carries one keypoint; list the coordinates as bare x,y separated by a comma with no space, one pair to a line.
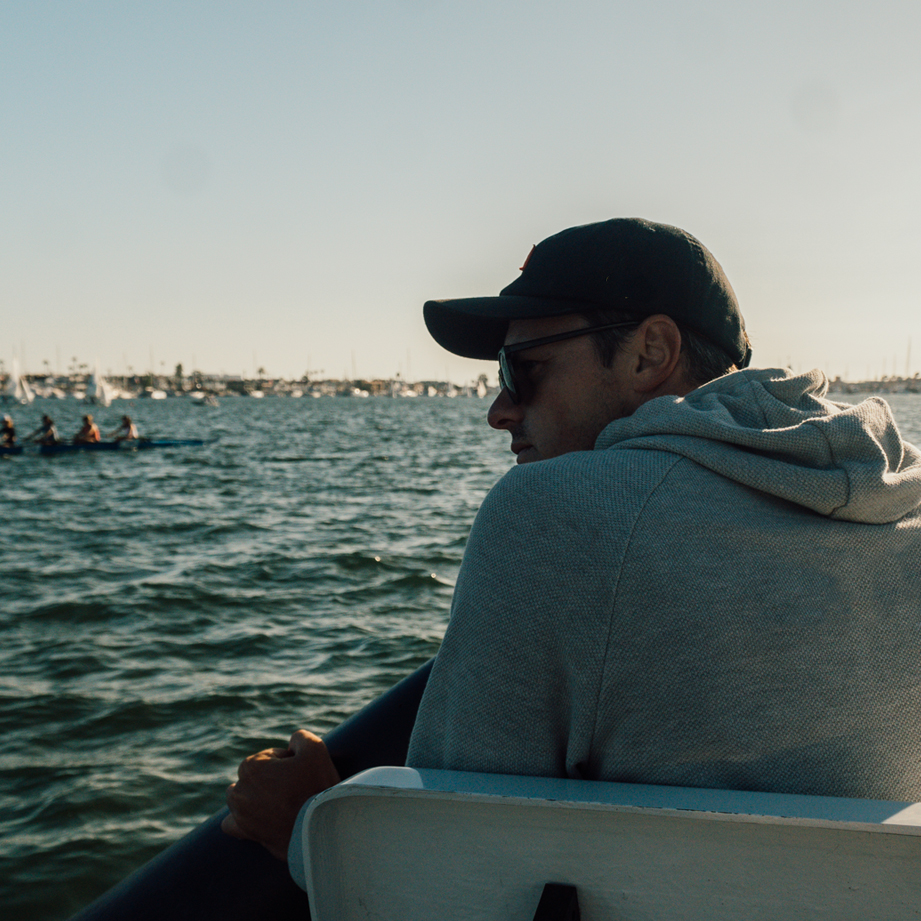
657,353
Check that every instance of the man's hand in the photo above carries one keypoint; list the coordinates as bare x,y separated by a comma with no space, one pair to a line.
273,786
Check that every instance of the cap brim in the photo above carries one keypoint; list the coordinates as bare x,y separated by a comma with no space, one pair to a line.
475,327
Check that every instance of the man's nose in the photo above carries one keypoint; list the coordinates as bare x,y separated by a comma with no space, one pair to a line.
503,414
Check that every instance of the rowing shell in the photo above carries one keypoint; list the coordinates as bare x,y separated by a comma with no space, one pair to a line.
125,445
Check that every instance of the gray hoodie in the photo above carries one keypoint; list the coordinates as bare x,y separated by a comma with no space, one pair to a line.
726,592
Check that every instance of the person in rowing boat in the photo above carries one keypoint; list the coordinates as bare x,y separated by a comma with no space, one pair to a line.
46,433
127,431
89,433
698,574
7,433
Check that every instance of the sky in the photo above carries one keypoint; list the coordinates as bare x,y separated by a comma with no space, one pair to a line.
243,185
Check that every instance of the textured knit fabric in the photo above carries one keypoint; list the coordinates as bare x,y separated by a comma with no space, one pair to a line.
726,592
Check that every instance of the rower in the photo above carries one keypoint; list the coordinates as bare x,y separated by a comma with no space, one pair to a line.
89,434
46,433
127,431
7,433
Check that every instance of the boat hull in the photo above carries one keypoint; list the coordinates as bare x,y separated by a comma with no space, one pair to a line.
139,444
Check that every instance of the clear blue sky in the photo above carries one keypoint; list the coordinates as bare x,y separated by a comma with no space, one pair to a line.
243,184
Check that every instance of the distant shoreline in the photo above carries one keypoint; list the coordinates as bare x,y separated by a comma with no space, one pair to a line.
141,386
886,385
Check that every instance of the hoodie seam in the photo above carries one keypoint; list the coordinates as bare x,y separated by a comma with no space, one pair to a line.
750,383
836,465
616,584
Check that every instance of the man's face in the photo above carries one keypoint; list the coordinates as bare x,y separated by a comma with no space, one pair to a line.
567,395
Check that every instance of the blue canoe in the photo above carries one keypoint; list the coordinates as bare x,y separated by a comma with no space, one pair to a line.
126,445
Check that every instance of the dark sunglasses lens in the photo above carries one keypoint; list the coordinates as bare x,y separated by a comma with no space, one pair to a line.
506,377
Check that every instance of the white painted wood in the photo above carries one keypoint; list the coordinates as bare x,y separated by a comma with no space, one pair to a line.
396,844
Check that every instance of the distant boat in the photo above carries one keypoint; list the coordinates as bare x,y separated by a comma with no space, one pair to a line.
127,444
132,444
17,388
99,390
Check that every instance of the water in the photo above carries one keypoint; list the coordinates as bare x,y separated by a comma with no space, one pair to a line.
168,612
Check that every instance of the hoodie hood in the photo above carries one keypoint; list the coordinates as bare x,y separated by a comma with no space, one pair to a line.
778,433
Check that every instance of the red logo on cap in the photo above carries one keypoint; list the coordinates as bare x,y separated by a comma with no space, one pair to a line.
528,259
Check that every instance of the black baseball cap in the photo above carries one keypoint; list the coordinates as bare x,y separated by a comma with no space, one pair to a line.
625,264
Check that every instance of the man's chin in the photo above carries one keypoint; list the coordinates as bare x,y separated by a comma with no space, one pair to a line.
527,455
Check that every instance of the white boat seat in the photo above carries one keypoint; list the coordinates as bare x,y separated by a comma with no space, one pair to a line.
398,844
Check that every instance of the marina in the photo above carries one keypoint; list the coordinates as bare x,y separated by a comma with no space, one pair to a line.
17,387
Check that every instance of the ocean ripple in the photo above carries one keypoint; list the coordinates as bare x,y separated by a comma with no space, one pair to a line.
169,612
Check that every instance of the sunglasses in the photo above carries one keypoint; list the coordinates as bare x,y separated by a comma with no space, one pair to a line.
507,367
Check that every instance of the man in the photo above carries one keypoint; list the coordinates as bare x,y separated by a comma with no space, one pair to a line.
692,577
127,431
89,432
46,433
7,433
